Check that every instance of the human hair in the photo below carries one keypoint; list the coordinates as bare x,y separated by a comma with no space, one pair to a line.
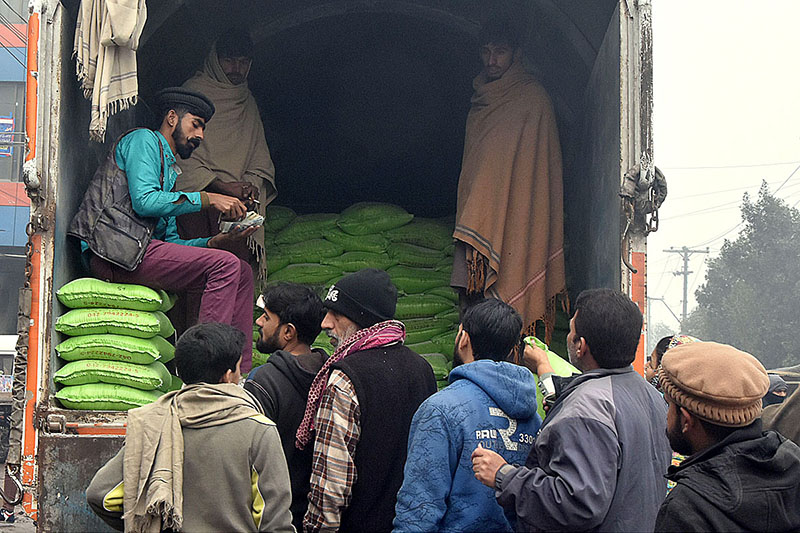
206,351
499,31
165,109
494,328
661,348
611,324
235,42
297,305
717,433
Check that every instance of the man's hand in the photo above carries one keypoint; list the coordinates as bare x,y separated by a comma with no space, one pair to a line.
230,207
536,360
224,241
246,192
485,464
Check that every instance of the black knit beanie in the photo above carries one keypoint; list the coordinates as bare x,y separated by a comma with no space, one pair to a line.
366,297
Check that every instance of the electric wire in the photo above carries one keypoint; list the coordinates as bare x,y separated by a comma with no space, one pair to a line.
12,28
8,49
707,167
14,11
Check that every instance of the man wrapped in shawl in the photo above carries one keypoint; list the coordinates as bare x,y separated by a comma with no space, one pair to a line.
234,158
509,217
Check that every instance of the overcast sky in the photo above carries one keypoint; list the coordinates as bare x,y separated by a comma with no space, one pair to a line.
727,94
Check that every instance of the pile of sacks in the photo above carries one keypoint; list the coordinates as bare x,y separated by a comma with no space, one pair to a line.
117,346
318,249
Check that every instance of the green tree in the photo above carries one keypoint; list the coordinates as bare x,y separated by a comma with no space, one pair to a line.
751,295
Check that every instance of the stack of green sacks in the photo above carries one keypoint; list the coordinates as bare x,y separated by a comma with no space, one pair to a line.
318,249
116,350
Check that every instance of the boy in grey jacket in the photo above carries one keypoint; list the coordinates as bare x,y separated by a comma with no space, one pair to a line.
599,459
203,458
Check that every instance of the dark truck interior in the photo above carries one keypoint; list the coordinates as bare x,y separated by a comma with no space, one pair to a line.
367,100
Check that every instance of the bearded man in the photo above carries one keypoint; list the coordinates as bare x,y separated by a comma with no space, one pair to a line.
234,159
509,214
291,320
126,221
360,405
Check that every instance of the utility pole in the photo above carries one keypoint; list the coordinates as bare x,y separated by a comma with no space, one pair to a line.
685,253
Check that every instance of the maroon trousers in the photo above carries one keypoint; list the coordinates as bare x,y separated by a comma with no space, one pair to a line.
225,281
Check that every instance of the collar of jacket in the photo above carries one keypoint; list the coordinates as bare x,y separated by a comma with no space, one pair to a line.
577,381
753,431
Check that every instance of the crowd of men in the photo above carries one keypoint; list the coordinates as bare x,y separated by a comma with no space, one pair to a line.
360,440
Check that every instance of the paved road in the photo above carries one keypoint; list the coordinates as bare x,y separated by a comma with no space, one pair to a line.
23,524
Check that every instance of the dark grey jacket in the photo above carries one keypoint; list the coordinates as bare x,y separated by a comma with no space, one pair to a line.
106,220
748,482
598,461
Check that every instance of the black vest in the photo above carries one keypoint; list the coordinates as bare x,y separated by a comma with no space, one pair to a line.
391,382
106,220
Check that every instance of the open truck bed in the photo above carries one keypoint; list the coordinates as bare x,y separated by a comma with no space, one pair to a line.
361,100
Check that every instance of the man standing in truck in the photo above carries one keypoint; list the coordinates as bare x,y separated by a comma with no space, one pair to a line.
234,158
126,221
509,214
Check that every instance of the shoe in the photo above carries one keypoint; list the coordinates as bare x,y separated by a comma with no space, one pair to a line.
7,516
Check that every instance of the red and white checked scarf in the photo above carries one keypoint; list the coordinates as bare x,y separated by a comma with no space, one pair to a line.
380,334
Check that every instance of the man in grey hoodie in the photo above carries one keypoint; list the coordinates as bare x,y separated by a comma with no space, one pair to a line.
202,458
599,459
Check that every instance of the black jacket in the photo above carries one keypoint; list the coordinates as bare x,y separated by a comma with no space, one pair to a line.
390,382
750,481
281,386
106,220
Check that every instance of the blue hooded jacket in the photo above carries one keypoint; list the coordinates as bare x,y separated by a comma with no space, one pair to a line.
488,403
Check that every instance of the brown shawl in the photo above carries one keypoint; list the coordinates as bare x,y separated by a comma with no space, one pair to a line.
510,205
234,149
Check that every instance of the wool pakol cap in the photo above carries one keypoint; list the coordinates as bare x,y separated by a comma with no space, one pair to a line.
715,382
194,102
366,297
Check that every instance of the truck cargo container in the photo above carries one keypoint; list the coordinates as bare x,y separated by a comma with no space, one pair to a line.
361,100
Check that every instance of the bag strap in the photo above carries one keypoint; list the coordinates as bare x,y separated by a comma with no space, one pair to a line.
160,153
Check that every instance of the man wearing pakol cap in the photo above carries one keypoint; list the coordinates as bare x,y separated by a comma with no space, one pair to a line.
598,461
126,221
737,477
234,158
360,405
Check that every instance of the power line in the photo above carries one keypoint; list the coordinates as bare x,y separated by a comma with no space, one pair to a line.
787,179
734,166
8,49
15,11
720,191
11,27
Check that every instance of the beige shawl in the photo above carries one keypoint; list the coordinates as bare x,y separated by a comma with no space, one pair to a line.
510,205
234,148
153,460
106,38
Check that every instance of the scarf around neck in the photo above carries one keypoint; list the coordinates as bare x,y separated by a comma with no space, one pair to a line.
375,336
153,458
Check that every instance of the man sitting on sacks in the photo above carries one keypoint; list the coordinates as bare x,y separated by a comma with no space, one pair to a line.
126,221
361,404
509,212
203,458
234,158
736,477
